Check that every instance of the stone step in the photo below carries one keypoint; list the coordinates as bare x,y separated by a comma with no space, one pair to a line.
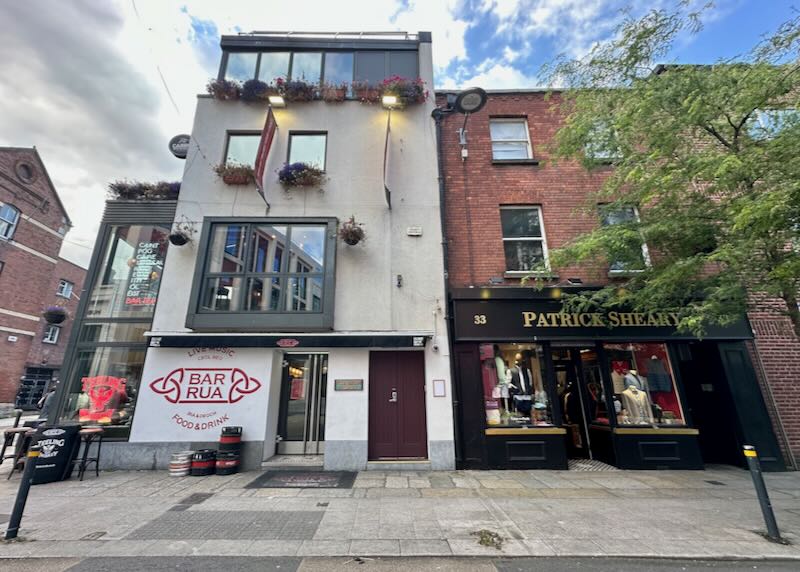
399,465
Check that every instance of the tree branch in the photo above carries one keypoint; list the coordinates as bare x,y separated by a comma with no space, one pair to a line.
710,129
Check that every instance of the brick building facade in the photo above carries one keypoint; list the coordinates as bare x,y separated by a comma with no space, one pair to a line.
484,242
33,224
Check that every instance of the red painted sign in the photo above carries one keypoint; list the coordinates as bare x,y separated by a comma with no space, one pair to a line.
205,385
287,343
267,135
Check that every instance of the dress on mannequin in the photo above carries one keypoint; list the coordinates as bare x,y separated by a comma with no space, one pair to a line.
638,405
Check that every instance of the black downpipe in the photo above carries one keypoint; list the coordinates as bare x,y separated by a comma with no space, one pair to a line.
438,115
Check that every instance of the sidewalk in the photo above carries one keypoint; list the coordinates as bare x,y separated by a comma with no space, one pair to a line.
685,514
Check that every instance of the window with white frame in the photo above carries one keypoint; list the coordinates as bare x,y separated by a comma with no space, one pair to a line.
510,139
242,148
524,242
9,217
602,146
630,253
64,288
51,334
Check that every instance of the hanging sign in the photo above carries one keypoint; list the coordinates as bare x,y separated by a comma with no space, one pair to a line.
179,146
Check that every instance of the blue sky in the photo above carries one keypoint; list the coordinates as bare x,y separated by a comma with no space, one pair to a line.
107,84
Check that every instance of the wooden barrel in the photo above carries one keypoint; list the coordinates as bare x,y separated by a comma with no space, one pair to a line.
180,463
203,463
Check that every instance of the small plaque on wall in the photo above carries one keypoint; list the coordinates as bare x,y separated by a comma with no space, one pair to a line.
348,385
439,388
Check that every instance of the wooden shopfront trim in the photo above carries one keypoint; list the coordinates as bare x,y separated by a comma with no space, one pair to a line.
528,431
651,431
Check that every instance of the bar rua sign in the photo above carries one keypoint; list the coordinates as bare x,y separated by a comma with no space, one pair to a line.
526,319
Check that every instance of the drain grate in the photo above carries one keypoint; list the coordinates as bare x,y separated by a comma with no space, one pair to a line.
718,483
93,535
590,465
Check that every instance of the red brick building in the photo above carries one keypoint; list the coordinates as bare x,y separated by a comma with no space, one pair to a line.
541,388
33,224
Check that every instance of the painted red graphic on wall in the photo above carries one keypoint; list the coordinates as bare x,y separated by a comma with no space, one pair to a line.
205,385
105,395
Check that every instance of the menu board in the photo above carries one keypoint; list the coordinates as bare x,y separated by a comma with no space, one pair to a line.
145,275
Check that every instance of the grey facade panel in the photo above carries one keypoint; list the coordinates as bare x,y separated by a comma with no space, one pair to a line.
139,212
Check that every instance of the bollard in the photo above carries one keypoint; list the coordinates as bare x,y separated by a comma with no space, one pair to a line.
761,490
22,493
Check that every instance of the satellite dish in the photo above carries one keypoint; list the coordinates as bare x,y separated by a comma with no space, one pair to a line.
470,100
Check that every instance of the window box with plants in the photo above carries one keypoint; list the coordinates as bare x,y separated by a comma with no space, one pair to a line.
300,175
334,93
366,92
295,90
236,174
352,232
407,91
254,90
137,191
224,89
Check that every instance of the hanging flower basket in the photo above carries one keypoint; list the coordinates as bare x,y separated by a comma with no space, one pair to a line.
300,175
55,314
407,91
223,89
367,93
334,93
236,173
352,232
297,90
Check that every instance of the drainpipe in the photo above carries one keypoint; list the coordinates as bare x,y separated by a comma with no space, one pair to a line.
438,115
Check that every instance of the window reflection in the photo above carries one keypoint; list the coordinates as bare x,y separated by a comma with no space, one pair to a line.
241,66
307,66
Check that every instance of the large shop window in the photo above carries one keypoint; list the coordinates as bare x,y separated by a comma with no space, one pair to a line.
266,269
643,385
514,391
523,238
103,380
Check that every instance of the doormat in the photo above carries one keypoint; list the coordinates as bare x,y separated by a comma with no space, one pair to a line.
589,465
303,480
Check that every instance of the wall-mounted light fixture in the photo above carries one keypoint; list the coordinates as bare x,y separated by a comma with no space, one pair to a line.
389,101
467,102
277,101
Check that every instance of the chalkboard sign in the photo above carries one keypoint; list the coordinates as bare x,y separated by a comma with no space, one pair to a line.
59,448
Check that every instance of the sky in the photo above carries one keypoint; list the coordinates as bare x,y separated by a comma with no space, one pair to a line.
99,87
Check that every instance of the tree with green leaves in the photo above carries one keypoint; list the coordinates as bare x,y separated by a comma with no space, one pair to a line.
705,172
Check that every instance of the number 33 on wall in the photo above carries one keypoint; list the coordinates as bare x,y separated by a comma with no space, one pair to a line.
479,319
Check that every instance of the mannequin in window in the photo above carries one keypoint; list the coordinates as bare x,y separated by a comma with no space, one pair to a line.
637,403
521,385
633,379
572,413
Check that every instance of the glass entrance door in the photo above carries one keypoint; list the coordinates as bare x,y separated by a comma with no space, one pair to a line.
301,425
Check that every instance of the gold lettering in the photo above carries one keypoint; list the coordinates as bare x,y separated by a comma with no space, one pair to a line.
651,320
638,319
625,319
613,318
528,318
566,320
675,319
584,322
597,320
542,322
553,317
663,319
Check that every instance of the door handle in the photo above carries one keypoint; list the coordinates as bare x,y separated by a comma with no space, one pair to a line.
393,398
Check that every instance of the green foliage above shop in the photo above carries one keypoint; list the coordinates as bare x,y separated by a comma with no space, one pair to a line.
707,156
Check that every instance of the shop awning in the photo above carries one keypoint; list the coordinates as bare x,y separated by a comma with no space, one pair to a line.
289,341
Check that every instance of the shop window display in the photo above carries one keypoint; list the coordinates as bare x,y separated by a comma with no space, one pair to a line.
513,389
643,384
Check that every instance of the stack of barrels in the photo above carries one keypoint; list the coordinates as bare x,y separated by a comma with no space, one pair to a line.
203,462
230,447
180,463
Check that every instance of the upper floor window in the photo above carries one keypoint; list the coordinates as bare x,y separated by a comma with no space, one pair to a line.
64,288
524,242
307,66
768,123
510,139
602,146
9,217
630,252
241,66
308,148
51,334
242,148
273,65
266,268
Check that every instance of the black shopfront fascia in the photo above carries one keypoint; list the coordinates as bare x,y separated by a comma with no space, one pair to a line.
519,315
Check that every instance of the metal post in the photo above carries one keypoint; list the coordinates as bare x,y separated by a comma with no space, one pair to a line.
761,490
22,493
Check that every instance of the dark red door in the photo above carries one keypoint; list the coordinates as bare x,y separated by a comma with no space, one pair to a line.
397,406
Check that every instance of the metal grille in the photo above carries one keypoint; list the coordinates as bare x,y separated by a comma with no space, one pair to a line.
590,465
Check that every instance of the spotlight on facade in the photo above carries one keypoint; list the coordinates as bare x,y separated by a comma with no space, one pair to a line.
277,101
470,100
389,101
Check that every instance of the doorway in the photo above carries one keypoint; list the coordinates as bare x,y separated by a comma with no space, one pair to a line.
580,392
301,421
397,427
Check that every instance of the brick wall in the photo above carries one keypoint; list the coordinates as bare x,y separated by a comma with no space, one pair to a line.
476,188
27,279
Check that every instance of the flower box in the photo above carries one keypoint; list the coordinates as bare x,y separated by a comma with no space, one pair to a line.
236,174
367,93
300,175
352,232
334,93
296,90
223,89
407,91
55,314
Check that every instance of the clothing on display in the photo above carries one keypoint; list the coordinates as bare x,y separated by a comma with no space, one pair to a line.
618,369
657,376
633,379
637,405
